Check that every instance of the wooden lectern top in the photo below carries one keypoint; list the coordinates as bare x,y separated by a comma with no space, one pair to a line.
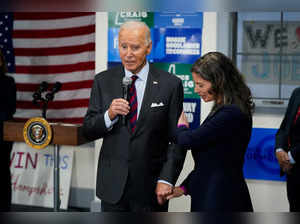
63,134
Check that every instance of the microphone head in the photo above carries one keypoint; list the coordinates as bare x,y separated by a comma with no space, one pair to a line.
126,81
44,86
37,95
56,87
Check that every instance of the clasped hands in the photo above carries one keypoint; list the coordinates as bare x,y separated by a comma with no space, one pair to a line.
165,192
284,161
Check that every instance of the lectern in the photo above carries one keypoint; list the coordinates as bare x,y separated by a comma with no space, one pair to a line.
63,134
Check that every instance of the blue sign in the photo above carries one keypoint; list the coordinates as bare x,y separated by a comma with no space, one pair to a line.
191,108
177,45
178,20
260,159
113,49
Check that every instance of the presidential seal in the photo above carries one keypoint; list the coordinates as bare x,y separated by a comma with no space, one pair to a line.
37,133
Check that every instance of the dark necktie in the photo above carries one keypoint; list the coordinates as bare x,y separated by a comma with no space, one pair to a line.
133,104
297,115
295,120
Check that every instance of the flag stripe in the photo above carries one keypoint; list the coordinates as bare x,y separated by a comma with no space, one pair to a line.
66,104
60,96
81,66
67,32
28,87
54,42
54,50
64,77
52,113
49,15
54,24
73,120
55,60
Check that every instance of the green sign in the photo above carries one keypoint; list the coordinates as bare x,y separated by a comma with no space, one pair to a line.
116,19
182,71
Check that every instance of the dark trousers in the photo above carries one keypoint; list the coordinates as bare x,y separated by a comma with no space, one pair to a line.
293,189
131,202
5,186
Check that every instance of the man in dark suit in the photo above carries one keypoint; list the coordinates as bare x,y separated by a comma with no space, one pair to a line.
288,149
137,164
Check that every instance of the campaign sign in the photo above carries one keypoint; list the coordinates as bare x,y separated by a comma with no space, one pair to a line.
176,45
32,175
192,108
178,20
260,159
113,48
116,19
182,71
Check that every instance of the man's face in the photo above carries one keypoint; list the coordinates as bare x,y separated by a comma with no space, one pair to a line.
133,48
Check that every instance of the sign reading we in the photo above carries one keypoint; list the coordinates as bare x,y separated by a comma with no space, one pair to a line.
269,39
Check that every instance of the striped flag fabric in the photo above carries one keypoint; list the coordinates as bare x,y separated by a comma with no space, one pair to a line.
50,47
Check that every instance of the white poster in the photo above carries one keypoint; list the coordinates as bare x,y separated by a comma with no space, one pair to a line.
32,175
265,70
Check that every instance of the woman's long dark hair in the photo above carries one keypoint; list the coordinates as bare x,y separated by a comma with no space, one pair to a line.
228,85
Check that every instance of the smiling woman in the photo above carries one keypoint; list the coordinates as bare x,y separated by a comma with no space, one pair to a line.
219,144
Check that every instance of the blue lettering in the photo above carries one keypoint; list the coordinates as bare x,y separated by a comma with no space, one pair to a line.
64,161
265,68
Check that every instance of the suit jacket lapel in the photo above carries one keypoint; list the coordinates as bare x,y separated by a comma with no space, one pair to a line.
151,90
211,115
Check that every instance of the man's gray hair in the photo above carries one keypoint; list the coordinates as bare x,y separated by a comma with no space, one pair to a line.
130,24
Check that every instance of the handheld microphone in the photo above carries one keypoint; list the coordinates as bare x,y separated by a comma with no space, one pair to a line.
55,89
38,93
126,82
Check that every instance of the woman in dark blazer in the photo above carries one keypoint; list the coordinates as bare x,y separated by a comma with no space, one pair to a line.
219,144
8,108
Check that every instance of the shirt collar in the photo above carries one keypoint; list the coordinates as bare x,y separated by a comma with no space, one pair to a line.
142,74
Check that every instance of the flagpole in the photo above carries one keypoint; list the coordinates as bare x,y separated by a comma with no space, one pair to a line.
56,196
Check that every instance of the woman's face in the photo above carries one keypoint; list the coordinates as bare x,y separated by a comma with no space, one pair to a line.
203,88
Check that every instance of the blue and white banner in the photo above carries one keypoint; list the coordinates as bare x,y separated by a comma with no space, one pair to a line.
191,108
178,20
260,159
177,45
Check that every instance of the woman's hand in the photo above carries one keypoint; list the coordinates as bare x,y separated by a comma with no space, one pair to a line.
177,192
183,120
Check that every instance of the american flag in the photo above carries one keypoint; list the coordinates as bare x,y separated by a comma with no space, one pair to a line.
50,47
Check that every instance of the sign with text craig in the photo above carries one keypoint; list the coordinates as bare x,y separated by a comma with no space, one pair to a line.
32,175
